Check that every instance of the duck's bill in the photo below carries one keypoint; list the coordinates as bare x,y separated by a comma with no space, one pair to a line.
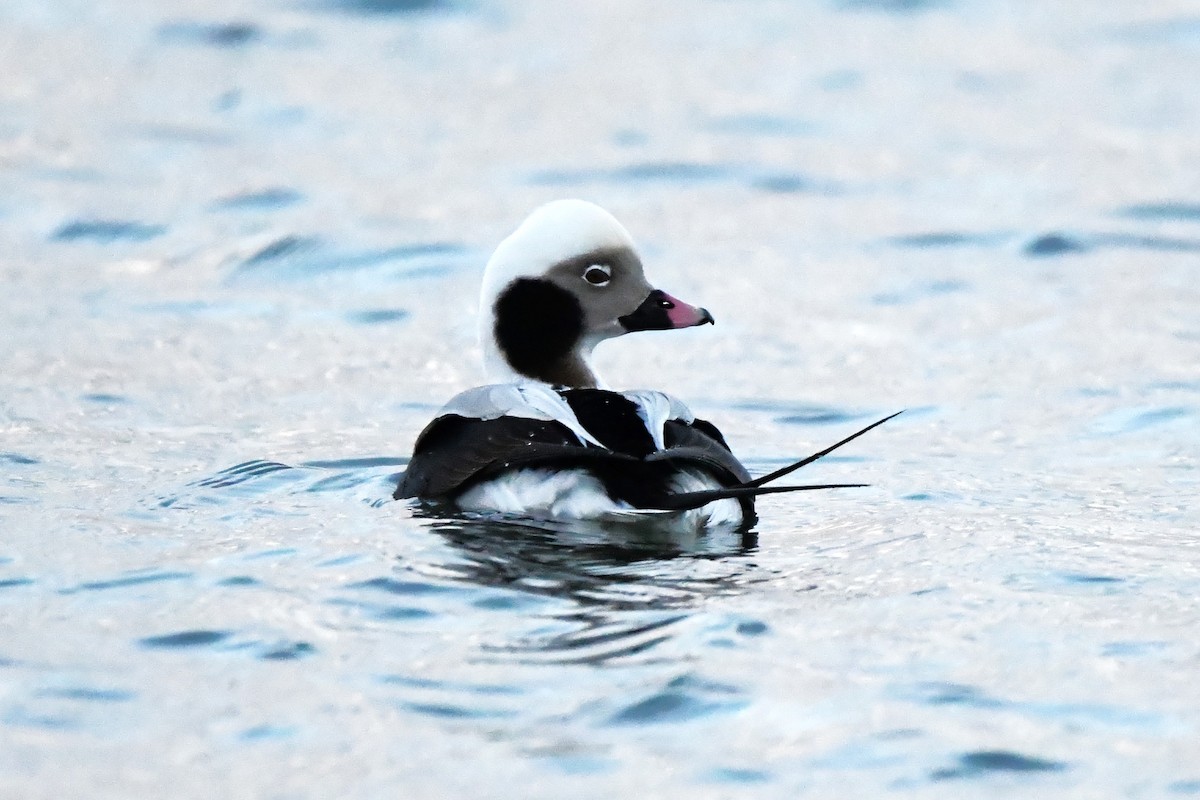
661,312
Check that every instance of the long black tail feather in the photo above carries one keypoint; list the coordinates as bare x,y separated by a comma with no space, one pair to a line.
686,501
790,468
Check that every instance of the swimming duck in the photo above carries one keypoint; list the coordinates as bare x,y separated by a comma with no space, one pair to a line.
547,439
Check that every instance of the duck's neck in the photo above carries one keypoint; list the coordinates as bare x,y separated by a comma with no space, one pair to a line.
573,370
534,331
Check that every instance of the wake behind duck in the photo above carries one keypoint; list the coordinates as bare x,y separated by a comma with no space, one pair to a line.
548,440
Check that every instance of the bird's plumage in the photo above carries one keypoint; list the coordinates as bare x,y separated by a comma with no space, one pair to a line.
633,443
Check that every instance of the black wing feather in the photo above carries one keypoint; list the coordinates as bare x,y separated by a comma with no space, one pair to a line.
701,444
452,451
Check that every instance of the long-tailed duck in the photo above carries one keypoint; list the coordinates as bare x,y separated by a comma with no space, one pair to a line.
548,440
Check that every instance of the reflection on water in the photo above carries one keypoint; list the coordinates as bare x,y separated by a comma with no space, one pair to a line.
627,587
605,548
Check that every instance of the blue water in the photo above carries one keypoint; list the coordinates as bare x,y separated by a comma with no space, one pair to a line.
241,247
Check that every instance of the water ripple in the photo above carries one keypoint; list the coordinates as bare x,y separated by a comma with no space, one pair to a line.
597,640
958,695
763,125
1180,30
239,580
266,732
818,415
1165,244
125,581
211,34
386,8
682,699
88,694
377,316
295,257
982,763
404,588
366,462
945,239
893,6
1172,210
456,699
261,200
738,775
684,174
451,711
1051,245
184,639
107,231
1139,418
793,413
287,651
260,477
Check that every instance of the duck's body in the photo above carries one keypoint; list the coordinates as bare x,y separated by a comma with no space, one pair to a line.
533,450
547,439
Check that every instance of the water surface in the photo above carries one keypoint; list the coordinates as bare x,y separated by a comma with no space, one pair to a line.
242,242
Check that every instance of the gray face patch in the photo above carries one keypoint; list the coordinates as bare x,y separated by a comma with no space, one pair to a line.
603,304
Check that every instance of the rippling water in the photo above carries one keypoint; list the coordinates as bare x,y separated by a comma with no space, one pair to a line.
241,246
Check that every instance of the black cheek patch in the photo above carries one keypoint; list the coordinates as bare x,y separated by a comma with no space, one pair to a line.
537,325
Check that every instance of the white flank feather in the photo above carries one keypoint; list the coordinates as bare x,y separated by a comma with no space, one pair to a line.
578,495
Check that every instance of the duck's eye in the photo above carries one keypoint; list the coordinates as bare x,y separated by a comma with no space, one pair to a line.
598,274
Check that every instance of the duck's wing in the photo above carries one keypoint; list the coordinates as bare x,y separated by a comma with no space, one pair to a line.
634,444
455,451
698,443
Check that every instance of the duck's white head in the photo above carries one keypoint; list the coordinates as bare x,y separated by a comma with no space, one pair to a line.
567,279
